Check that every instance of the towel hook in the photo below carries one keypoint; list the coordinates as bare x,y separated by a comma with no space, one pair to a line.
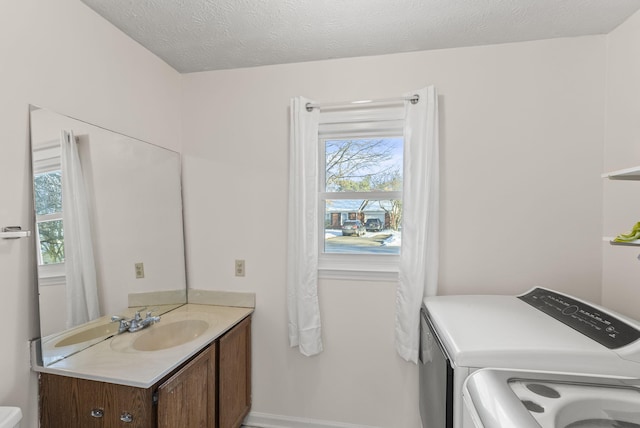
14,232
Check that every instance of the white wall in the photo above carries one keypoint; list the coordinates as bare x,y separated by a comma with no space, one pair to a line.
621,268
63,56
521,137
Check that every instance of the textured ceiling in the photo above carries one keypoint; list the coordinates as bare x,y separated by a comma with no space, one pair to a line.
200,35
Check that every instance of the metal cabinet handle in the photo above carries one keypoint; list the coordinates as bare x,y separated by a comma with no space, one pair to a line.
126,417
97,413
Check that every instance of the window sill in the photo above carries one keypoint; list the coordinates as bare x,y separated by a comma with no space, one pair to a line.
358,275
52,274
382,268
52,280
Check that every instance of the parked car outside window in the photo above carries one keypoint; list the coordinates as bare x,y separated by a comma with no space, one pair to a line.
373,225
353,227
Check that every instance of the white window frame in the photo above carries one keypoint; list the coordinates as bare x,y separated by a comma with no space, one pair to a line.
344,124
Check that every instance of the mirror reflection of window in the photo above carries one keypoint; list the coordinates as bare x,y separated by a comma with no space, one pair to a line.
47,186
48,204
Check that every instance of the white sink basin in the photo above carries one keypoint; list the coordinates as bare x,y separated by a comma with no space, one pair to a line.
163,336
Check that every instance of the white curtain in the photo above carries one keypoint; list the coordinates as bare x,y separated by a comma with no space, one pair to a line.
418,275
82,291
302,257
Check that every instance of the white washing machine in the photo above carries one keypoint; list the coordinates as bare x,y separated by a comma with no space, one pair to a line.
541,330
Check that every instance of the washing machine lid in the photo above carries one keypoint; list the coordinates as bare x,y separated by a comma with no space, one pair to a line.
490,403
507,332
507,399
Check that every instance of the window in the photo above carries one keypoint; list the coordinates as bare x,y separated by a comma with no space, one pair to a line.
360,192
314,194
362,197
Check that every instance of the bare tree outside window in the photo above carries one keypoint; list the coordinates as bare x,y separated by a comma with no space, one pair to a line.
363,165
48,205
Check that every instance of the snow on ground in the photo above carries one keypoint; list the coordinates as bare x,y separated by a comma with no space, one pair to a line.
395,240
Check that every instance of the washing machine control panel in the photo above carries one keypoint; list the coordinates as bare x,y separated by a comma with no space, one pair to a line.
600,326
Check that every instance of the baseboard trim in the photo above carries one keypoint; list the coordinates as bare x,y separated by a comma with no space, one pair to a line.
265,420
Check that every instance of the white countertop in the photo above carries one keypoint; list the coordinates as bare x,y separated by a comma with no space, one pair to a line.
116,361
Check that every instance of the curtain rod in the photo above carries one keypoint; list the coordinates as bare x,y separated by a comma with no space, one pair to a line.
347,104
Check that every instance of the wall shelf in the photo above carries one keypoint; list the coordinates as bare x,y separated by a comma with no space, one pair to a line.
624,174
635,243
610,240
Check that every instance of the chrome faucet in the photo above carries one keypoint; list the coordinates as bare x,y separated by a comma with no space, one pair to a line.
136,323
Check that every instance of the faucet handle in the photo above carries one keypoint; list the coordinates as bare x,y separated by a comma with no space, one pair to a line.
124,323
151,319
137,315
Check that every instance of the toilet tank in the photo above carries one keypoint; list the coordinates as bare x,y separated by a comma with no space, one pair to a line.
10,417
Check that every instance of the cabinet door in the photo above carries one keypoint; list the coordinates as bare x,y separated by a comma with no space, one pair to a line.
79,403
58,401
187,399
234,383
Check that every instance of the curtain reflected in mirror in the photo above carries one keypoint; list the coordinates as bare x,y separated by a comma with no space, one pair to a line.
109,234
80,267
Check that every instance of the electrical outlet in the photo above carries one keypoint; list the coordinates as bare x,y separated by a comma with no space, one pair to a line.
139,270
239,267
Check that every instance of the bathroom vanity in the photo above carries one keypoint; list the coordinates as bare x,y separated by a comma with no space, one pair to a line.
193,368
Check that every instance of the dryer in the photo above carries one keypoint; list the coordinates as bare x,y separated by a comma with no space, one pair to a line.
541,330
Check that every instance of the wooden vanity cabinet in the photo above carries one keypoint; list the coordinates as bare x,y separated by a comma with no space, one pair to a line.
234,382
211,390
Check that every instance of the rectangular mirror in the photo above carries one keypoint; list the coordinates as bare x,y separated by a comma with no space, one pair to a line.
108,232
